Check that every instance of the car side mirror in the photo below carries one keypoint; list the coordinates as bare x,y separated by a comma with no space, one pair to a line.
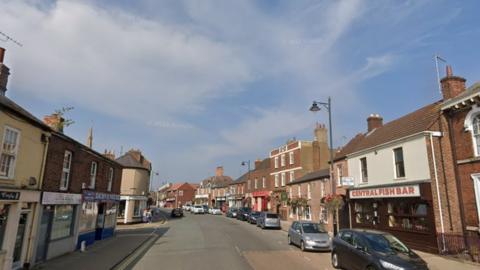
361,248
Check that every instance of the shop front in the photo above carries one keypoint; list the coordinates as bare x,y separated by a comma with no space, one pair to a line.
201,199
170,202
279,203
130,208
261,200
220,202
58,230
405,211
98,216
17,208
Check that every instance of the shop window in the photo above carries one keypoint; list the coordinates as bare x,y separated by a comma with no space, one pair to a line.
9,152
323,215
136,208
110,179
364,213
62,221
3,221
93,174
291,158
408,215
110,215
88,216
399,164
67,162
121,209
364,170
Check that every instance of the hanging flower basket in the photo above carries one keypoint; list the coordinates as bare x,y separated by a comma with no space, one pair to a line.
333,201
302,202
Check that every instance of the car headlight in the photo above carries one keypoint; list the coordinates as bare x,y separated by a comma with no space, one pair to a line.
310,242
390,266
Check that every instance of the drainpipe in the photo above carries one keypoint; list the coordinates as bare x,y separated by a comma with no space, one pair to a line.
442,228
445,178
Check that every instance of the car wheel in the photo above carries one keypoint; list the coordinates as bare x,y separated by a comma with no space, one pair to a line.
289,240
302,246
335,262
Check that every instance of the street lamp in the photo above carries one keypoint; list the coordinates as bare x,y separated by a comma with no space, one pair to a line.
248,164
328,106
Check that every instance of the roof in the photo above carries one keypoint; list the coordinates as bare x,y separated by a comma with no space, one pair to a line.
217,181
415,122
7,103
264,164
129,161
316,175
241,179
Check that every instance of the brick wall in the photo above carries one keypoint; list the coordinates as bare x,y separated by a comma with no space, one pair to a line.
80,167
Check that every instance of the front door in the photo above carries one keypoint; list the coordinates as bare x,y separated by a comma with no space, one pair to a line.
19,240
43,236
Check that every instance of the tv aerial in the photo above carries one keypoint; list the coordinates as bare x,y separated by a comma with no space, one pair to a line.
5,38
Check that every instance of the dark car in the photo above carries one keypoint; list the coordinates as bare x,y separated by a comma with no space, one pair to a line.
252,218
369,249
205,209
176,212
232,212
243,213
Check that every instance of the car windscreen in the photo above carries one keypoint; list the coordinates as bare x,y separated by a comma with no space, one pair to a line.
272,216
256,213
313,228
386,243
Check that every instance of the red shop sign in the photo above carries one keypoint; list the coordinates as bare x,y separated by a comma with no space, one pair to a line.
261,193
386,192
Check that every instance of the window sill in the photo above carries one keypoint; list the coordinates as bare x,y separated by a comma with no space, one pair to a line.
469,160
400,178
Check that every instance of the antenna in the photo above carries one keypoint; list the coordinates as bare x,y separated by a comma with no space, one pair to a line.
8,38
437,57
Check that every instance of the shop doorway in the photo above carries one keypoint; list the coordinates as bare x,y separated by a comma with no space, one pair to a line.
19,247
44,234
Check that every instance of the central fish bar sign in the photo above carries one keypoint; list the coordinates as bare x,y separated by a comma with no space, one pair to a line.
386,192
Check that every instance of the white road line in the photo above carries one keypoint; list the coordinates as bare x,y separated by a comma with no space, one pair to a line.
306,258
238,250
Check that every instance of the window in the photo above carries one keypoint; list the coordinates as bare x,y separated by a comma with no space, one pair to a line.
276,162
322,189
67,162
339,175
3,221
93,174
180,193
136,209
323,215
256,183
407,215
110,215
291,158
264,182
290,192
276,180
110,179
399,165
365,213
306,213
62,221
249,184
292,176
283,160
283,179
363,169
309,192
299,191
476,188
9,152
476,133
88,216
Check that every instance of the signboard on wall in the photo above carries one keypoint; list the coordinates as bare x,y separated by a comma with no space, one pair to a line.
9,195
386,192
348,181
61,198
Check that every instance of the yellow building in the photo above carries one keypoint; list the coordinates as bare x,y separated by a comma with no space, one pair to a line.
135,186
23,151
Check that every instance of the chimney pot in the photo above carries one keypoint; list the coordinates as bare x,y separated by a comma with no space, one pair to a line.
449,71
54,121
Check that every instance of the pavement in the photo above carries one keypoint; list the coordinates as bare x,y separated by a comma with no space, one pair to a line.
206,242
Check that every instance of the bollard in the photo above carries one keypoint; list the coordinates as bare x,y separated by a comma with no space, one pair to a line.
83,246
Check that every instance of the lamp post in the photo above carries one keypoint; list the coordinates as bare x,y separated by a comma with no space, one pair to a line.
328,106
248,166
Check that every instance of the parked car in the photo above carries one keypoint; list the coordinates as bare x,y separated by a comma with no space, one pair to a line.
215,211
370,249
177,212
243,213
198,209
232,212
268,220
252,218
309,236
205,208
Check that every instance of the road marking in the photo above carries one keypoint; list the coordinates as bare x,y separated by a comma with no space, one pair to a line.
138,252
306,258
238,250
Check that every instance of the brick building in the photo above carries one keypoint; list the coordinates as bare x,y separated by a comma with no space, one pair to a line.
80,196
204,193
259,186
293,160
236,192
180,194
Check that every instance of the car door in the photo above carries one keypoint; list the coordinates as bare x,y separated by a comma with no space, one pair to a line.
361,254
344,250
296,235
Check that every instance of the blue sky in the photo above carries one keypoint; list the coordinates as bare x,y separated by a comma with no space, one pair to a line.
197,84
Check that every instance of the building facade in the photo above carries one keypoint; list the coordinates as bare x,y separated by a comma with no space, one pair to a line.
204,194
236,192
180,194
259,186
135,186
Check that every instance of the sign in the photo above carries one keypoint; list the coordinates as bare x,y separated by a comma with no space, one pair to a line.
201,196
386,192
9,195
284,196
92,196
61,198
348,181
220,198
170,199
261,193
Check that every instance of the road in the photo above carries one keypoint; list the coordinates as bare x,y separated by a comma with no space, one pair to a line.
216,242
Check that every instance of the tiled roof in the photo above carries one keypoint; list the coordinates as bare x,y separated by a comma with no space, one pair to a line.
412,123
8,104
467,94
129,161
176,186
241,179
264,164
320,174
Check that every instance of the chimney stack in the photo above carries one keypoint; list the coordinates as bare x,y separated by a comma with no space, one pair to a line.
219,171
90,138
374,121
452,86
54,121
4,72
109,154
257,163
320,133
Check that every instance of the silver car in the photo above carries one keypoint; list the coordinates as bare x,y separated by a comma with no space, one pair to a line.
268,220
309,236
